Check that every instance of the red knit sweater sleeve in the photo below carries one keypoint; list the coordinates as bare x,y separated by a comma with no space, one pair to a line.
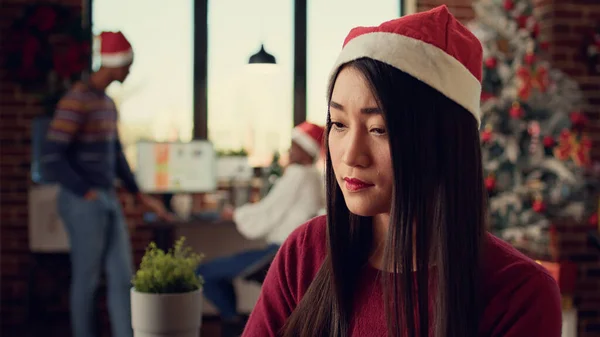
534,310
289,276
521,298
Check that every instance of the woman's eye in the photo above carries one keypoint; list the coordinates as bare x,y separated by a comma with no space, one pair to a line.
337,126
378,131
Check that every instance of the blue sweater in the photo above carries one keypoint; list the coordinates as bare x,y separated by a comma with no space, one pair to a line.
82,150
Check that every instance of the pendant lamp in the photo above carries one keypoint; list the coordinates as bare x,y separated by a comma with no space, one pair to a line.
262,57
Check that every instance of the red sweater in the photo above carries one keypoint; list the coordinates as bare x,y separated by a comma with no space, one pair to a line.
520,296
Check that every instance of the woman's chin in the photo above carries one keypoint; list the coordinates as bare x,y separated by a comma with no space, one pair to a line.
362,207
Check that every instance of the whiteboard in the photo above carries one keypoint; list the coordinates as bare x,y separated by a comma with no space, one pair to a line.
176,167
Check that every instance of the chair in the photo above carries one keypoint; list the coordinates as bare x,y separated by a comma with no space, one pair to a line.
258,271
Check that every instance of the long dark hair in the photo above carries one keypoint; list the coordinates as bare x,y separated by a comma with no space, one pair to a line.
438,219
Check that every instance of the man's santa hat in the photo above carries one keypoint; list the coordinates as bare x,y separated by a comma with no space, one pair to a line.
115,50
431,46
309,137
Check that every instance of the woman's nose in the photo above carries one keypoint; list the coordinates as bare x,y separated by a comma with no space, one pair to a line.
356,152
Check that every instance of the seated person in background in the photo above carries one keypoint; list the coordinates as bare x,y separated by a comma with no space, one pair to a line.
297,197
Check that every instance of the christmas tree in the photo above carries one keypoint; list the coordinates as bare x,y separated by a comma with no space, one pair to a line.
536,155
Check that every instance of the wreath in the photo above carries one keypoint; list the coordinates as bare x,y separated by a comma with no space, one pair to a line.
47,50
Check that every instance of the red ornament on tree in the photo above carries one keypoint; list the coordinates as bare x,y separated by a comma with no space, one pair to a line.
535,31
491,62
486,95
509,5
544,45
548,142
516,111
524,92
578,119
490,183
522,21
530,58
486,135
539,206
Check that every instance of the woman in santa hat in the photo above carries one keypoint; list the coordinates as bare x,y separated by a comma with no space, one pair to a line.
296,197
403,249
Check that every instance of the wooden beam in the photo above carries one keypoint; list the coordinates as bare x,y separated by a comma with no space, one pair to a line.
200,69
86,24
408,7
300,36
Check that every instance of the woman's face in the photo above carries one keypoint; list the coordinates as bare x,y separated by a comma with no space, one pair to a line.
358,146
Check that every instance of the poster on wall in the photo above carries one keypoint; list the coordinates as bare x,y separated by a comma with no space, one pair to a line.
46,230
176,167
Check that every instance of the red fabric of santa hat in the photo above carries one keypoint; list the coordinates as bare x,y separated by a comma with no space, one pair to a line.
309,137
431,46
115,50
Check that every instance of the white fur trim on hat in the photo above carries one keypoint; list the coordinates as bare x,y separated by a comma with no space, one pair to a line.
422,60
306,142
116,59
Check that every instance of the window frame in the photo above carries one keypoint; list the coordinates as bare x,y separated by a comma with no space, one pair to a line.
200,96
300,56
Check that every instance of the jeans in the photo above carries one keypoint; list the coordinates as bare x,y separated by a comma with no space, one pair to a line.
99,241
219,273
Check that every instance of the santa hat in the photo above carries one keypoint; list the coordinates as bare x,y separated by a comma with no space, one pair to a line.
431,46
115,50
309,137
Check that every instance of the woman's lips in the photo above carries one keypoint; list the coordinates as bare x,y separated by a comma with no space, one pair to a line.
355,185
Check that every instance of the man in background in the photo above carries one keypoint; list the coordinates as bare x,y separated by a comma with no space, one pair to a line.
297,197
84,155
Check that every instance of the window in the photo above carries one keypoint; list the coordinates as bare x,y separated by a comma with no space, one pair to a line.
250,107
328,24
155,102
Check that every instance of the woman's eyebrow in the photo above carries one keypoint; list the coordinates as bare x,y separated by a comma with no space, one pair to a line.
336,106
368,111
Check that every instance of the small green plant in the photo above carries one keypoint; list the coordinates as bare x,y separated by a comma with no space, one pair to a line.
232,153
168,273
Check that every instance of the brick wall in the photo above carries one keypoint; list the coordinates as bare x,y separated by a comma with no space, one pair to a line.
566,23
16,113
563,24
460,8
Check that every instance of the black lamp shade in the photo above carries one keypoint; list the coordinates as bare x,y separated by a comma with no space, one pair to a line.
262,57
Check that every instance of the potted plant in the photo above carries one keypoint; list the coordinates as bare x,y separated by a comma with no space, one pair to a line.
166,297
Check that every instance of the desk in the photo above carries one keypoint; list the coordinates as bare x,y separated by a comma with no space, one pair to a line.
164,232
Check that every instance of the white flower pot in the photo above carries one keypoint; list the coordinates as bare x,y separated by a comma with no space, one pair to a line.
166,315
